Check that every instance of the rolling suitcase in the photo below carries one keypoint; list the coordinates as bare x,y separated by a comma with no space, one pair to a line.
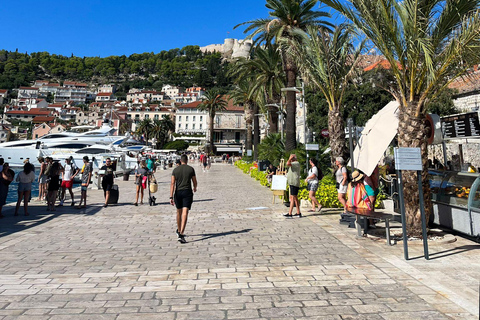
113,199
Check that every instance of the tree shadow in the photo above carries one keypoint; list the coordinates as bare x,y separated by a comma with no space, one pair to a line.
38,215
207,236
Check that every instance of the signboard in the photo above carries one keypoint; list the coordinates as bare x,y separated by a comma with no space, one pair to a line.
325,133
311,146
463,125
408,159
249,153
279,182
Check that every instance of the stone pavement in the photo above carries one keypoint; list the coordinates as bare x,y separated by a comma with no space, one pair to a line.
243,260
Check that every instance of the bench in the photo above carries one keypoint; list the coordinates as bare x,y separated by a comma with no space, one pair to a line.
360,212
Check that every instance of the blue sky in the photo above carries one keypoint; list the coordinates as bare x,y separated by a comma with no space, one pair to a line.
105,27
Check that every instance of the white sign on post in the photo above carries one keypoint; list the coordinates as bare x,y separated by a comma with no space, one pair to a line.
249,153
279,182
408,159
311,146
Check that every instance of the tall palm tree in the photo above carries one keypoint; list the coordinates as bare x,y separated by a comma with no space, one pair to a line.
145,127
429,44
286,17
328,61
212,102
162,129
240,94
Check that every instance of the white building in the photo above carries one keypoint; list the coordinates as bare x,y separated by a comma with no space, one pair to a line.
171,91
3,95
27,93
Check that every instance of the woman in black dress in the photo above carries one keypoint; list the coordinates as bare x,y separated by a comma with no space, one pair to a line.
53,185
6,177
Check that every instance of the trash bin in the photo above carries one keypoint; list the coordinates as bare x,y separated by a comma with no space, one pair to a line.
126,175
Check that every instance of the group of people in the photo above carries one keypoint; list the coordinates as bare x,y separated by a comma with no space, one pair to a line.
355,191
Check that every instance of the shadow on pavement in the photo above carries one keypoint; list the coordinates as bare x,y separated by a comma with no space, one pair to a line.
38,215
207,236
449,252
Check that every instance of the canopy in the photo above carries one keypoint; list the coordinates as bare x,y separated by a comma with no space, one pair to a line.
376,137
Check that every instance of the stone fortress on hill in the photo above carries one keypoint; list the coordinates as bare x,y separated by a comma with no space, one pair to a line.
231,48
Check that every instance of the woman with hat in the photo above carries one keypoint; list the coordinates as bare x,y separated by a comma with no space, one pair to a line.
356,193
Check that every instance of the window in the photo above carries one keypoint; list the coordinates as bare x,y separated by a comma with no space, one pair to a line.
179,125
200,126
193,118
193,126
43,127
147,116
186,118
179,118
155,117
201,118
186,126
36,136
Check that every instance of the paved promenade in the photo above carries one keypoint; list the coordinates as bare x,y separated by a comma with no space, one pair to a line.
243,260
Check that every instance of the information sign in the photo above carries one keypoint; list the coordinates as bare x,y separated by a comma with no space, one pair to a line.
249,153
408,159
311,146
279,182
461,126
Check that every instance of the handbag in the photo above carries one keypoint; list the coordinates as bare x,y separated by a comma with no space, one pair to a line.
153,185
337,185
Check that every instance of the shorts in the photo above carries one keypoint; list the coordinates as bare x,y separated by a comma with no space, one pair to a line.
370,191
22,187
43,179
312,186
107,186
204,164
67,184
83,188
183,199
342,189
294,190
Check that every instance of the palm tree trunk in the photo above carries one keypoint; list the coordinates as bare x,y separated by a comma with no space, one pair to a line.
411,134
336,130
272,118
249,121
210,126
256,132
291,106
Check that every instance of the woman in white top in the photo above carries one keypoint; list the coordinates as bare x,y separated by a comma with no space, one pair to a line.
24,179
312,184
342,180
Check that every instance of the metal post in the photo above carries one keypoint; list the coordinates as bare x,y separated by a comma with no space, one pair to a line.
350,141
402,211
304,114
424,219
444,147
281,115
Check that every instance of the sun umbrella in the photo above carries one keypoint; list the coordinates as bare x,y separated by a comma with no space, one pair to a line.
376,137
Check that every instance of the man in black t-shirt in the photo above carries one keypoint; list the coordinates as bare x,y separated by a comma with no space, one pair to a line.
107,179
181,194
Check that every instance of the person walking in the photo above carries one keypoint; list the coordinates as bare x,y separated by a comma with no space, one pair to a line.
42,180
204,162
69,173
85,179
53,184
181,194
6,177
24,179
341,178
150,164
140,174
293,179
312,184
107,179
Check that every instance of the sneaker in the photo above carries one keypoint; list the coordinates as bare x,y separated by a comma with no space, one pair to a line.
181,239
72,204
105,205
178,234
60,204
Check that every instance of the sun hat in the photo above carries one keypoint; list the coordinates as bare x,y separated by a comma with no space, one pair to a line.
357,176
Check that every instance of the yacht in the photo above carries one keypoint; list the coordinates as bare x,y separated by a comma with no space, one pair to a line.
59,144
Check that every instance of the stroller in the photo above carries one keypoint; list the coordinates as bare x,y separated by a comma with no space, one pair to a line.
152,188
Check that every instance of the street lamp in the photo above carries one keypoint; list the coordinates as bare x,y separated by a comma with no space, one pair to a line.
302,91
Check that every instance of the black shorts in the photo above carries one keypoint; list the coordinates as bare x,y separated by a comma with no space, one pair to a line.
107,186
183,199
294,190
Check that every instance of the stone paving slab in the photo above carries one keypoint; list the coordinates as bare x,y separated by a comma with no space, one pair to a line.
243,260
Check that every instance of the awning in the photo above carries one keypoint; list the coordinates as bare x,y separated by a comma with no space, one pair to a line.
228,149
376,137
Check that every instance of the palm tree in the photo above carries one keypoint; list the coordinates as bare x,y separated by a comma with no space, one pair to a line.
287,16
212,102
162,129
125,127
241,95
145,127
328,61
428,44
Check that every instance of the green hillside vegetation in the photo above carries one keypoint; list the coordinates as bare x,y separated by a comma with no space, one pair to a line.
184,67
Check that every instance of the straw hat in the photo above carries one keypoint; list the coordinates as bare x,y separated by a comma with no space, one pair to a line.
357,176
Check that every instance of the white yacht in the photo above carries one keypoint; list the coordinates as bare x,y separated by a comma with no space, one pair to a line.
58,144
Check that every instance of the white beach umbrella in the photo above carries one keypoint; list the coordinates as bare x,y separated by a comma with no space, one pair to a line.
376,137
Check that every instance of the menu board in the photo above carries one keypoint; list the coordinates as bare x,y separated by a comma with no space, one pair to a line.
463,125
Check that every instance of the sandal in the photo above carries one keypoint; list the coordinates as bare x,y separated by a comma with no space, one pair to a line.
135,204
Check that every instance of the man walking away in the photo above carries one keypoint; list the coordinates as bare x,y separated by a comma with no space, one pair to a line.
69,173
181,194
107,179
86,177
